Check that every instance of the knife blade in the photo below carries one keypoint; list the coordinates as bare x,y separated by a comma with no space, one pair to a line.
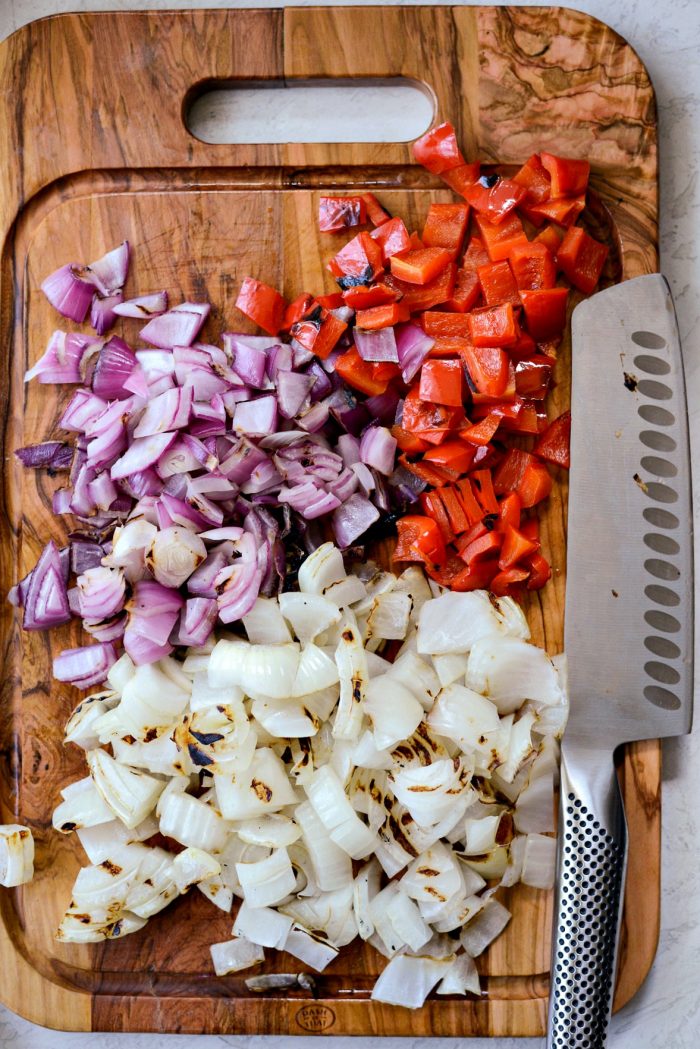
628,619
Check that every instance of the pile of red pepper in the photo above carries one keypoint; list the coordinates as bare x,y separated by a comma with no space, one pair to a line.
495,303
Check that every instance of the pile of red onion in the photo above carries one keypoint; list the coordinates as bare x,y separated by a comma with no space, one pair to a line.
190,464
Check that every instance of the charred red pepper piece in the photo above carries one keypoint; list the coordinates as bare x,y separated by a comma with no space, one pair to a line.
553,445
339,213
437,149
262,304
581,259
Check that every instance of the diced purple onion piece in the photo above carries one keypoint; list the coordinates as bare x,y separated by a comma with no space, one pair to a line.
86,666
413,346
378,449
67,293
352,519
197,620
49,455
379,345
178,327
103,313
144,306
108,274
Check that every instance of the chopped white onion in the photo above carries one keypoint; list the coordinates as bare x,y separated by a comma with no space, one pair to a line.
234,955
408,981
16,855
539,861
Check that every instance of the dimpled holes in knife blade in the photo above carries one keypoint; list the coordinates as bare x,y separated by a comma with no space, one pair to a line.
591,875
660,483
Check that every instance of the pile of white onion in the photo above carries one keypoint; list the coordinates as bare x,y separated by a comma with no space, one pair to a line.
335,793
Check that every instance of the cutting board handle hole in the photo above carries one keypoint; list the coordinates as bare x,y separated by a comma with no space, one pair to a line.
369,109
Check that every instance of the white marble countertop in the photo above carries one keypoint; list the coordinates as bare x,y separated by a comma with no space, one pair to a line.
666,1011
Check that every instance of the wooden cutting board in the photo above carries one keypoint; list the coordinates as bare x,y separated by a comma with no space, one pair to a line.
95,151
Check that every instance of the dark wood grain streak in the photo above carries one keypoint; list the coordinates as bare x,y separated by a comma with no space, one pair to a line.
96,150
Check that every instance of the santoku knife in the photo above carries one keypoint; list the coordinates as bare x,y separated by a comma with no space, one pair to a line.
628,621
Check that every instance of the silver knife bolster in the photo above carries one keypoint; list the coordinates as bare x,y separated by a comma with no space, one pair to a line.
592,855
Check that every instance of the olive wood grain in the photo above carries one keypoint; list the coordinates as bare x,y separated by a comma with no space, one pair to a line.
96,150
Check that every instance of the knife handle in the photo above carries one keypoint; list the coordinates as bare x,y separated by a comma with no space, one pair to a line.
592,855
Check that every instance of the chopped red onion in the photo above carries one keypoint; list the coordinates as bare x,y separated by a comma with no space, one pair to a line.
84,554
382,408
178,327
349,448
108,274
83,408
137,383
106,629
115,363
344,485
144,306
257,418
86,666
60,362
103,312
49,455
279,359
293,389
352,519
237,587
68,293
45,599
379,345
323,386
315,418
103,491
197,620
144,452
248,362
101,592
169,411
378,449
364,476
413,347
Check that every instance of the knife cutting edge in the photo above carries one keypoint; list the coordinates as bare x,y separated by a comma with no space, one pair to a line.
628,621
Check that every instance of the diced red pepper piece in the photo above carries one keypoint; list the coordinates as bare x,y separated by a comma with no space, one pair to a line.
446,346
482,483
419,539
393,237
531,528
364,298
535,485
533,266
545,312
495,196
459,521
318,331
495,325
333,301
408,442
510,472
420,265
339,213
516,547
540,572
533,376
439,324
437,149
499,240
498,284
476,254
421,416
569,177
551,236
381,316
433,475
423,297
472,508
467,292
487,367
553,445
485,547
461,178
451,455
262,304
433,506
359,262
480,433
359,374
509,511
581,259
564,210
445,227
375,212
508,582
296,310
535,179
441,382
476,576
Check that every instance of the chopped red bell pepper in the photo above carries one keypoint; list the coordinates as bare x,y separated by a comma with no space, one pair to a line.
459,522
364,298
510,472
408,442
498,284
508,582
531,528
509,511
339,213
494,325
471,506
446,346
445,227
419,539
495,197
467,292
499,240
423,297
318,331
393,237
420,265
533,376
535,485
487,546
441,382
262,304
516,547
381,316
359,262
524,347
581,259
451,455
533,266
375,212
488,368
545,312
476,576
433,475
460,179
333,301
359,374
480,433
482,483
296,310
437,149
564,210
423,417
551,236
540,572
434,507
536,180
569,177
553,445
445,324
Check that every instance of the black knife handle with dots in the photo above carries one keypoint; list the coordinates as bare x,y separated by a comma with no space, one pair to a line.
590,887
